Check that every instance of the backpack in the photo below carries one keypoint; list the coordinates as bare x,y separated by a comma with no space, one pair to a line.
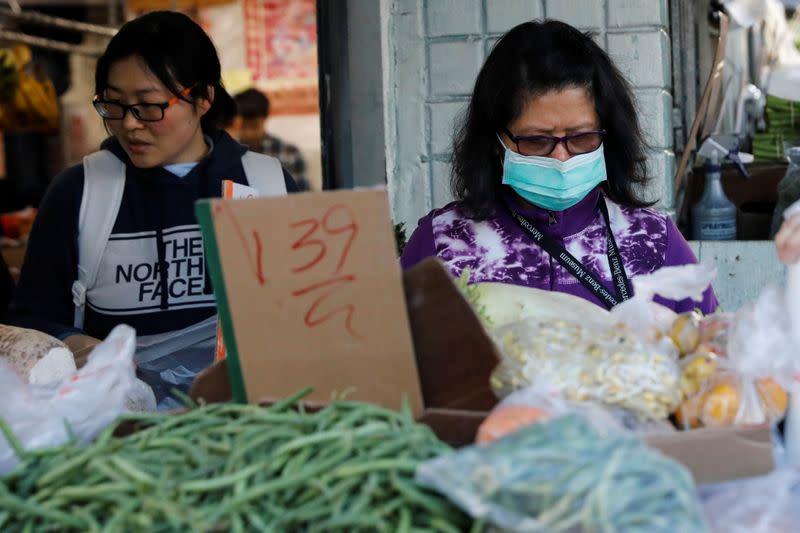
103,187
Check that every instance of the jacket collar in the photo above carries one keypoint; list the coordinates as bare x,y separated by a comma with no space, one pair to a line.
223,160
558,223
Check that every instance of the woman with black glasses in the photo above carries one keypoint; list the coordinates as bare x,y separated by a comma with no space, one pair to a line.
547,166
159,94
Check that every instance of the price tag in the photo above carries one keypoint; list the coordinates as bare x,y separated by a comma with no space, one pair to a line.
309,293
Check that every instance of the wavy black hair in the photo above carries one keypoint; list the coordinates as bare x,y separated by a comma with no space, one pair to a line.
179,53
531,59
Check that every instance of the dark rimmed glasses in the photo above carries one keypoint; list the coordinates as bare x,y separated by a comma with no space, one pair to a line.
543,145
142,112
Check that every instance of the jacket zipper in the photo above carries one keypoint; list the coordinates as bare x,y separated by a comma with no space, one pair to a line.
551,220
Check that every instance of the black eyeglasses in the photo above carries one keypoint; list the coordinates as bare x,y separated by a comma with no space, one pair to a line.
543,145
142,112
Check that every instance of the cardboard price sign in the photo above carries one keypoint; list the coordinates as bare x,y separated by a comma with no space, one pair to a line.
309,293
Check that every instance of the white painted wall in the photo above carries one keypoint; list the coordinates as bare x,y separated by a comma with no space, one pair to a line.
744,268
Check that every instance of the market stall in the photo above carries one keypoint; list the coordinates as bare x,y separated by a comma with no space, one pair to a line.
348,396
385,403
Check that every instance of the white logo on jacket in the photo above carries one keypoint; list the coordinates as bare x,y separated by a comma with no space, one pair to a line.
129,278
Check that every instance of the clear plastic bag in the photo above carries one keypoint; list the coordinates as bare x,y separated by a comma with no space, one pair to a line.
631,365
568,474
611,366
173,360
747,383
764,504
41,416
176,371
650,319
542,401
789,186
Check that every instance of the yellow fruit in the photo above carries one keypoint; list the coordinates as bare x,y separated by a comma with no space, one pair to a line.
696,373
773,398
686,414
720,404
685,332
22,54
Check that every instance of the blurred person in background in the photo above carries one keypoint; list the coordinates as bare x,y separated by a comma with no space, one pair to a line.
249,126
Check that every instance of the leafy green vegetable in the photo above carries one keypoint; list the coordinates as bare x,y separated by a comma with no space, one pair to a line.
473,296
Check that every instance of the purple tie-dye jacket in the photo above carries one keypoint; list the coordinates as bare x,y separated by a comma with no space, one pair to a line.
497,249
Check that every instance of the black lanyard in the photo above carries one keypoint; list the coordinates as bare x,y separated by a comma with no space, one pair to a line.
581,273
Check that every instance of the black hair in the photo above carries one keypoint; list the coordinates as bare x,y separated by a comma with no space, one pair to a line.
529,60
226,117
179,53
252,103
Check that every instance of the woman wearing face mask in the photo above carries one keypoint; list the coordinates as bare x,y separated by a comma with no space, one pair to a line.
159,94
547,165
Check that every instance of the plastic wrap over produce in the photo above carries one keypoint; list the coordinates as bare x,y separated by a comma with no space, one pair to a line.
629,362
568,475
740,376
764,504
542,401
612,366
80,407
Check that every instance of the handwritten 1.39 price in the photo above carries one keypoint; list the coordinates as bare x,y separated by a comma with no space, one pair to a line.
314,243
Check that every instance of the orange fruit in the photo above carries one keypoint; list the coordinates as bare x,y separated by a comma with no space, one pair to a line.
686,414
685,332
720,404
773,398
507,419
697,371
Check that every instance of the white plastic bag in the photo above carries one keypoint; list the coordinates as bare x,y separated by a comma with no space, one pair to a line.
764,504
760,342
39,415
643,315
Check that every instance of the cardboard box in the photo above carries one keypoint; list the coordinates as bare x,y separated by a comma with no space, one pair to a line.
451,355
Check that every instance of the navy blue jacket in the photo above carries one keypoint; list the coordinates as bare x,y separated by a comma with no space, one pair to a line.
156,225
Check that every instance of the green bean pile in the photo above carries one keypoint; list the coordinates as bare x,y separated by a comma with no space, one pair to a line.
229,467
783,125
562,475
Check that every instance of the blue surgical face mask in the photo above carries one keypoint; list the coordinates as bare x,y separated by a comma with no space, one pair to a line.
552,184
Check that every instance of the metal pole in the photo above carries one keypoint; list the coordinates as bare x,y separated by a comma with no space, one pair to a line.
47,20
113,13
50,44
